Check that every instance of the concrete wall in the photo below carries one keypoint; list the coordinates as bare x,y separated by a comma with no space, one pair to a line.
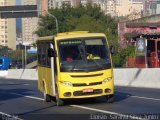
3,73
29,74
149,77
135,77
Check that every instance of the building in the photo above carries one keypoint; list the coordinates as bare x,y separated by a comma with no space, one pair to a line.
48,4
8,28
101,3
151,7
29,25
110,8
107,6
130,8
144,34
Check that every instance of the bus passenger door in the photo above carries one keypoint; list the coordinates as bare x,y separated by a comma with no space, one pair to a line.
52,56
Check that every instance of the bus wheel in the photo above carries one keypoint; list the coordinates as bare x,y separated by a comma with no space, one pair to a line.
47,98
110,98
59,101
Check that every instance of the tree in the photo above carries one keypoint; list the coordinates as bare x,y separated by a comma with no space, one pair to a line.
4,50
89,18
119,59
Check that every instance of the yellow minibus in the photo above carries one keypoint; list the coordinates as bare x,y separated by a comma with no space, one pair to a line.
74,65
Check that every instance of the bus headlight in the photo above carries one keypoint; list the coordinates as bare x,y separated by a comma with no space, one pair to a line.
66,83
107,80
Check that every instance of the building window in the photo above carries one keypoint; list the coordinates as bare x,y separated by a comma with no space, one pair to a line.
118,2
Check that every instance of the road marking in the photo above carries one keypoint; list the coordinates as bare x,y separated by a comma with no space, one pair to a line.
87,108
6,116
97,110
108,112
140,97
26,84
36,98
145,98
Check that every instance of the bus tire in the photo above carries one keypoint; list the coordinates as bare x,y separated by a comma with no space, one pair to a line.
59,101
110,98
47,98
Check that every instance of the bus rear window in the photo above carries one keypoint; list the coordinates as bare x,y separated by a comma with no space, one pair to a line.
1,61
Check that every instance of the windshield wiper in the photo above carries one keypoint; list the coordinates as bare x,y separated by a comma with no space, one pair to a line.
97,64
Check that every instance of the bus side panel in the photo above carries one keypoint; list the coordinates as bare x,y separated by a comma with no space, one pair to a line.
44,80
40,79
48,79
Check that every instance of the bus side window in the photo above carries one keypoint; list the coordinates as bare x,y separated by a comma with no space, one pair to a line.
39,53
51,52
45,53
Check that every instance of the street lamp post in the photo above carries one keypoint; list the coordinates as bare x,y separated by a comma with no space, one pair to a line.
57,29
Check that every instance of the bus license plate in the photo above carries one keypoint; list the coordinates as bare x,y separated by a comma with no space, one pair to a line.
87,90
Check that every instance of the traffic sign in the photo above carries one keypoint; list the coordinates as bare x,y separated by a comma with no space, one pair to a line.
20,11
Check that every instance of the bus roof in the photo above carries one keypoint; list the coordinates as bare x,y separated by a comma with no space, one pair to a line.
75,34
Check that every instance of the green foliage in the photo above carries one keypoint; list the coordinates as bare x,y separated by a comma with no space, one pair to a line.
119,59
89,18
4,50
13,54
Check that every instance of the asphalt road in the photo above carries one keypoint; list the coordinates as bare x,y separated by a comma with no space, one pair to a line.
20,99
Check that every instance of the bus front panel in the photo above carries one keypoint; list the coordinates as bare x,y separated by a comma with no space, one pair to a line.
85,85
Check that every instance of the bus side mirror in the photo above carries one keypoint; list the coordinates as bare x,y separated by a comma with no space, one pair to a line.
112,50
51,52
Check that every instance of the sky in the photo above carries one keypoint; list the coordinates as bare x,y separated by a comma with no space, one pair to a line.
18,2
18,20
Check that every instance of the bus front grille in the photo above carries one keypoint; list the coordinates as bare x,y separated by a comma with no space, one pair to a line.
84,84
81,93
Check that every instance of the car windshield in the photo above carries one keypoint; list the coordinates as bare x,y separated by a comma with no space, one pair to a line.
89,54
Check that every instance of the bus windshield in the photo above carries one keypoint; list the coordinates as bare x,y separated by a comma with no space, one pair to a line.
86,54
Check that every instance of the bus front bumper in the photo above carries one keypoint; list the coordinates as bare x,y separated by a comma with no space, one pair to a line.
85,91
